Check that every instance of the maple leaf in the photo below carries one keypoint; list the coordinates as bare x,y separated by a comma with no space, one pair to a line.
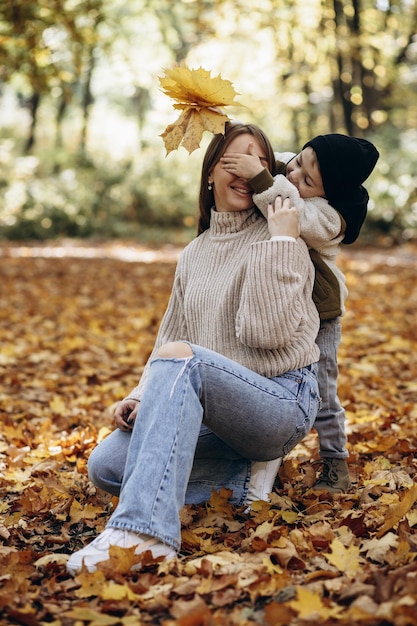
309,604
396,512
189,87
278,614
198,95
219,500
377,549
91,584
123,559
96,584
345,559
46,560
79,512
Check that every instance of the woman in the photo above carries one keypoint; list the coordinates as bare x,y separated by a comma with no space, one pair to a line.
232,377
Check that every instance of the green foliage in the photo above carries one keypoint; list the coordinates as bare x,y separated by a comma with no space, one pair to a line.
43,42
147,198
83,199
150,195
78,68
393,186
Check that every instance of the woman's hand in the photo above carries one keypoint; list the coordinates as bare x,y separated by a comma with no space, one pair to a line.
125,414
283,218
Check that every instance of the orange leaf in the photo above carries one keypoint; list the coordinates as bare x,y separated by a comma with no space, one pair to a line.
396,512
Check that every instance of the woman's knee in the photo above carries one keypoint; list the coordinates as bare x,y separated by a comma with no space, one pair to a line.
106,466
103,478
174,350
96,467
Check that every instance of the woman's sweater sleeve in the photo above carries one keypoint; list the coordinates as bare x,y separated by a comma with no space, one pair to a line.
276,296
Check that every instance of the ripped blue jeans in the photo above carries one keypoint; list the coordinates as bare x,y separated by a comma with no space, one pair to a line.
201,420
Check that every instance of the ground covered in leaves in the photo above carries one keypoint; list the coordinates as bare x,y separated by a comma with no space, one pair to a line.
76,327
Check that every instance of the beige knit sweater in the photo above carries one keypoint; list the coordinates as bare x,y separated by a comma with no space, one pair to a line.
244,296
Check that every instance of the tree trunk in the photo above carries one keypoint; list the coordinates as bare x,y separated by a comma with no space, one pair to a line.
87,100
343,86
33,106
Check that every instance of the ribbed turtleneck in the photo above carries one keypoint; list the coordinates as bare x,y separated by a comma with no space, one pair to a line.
232,222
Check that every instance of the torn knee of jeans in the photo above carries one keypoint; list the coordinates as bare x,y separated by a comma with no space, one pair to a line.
174,350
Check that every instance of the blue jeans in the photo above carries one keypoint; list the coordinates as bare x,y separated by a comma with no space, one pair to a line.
330,422
201,419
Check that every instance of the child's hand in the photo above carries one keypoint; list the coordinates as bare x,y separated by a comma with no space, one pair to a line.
283,218
242,165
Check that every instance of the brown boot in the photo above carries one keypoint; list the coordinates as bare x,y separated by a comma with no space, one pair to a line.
334,476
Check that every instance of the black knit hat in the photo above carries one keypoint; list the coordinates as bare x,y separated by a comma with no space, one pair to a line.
345,163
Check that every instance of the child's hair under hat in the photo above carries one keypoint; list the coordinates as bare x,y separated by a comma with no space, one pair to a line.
345,163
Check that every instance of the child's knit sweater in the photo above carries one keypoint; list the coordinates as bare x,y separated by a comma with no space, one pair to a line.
245,296
322,228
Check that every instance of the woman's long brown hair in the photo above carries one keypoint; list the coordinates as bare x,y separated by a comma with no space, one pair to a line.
216,148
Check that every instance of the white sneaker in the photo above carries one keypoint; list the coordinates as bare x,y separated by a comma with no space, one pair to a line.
98,550
263,474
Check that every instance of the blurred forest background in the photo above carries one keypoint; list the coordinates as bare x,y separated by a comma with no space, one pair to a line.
81,109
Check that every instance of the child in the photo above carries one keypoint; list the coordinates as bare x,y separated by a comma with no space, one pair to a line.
326,175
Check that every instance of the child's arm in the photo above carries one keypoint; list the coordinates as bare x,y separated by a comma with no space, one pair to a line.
243,165
262,181
320,223
280,186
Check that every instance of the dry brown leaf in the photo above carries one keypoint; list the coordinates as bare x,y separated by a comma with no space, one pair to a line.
63,343
377,549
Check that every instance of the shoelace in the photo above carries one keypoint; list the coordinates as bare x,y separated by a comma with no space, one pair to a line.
329,472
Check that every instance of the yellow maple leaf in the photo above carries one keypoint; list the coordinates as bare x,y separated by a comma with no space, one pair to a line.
219,500
345,559
79,512
116,591
198,96
91,584
197,87
309,604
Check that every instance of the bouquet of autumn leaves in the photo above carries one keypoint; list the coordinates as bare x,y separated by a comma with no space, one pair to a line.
199,97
